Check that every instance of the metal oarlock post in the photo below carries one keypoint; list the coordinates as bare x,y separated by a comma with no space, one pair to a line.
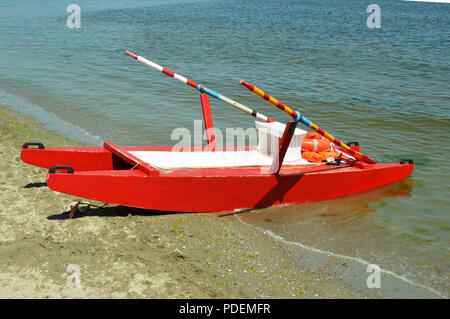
199,87
207,118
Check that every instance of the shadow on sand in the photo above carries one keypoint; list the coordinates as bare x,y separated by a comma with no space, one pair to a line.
114,211
35,184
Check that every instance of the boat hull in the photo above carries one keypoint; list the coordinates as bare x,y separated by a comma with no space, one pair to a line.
108,175
209,190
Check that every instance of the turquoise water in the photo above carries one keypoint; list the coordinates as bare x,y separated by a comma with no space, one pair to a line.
387,88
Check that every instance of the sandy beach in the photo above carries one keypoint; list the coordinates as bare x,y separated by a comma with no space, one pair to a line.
124,252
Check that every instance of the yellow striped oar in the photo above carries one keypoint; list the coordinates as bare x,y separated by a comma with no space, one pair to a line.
299,117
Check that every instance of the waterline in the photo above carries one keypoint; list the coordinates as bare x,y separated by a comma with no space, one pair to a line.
350,258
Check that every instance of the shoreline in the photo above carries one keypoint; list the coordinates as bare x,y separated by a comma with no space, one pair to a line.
125,252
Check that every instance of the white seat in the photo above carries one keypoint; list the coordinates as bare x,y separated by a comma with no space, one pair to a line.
168,160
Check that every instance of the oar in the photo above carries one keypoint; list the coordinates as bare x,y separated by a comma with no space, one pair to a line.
299,117
199,87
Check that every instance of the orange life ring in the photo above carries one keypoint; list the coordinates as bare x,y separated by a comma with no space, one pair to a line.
312,157
314,135
314,142
316,157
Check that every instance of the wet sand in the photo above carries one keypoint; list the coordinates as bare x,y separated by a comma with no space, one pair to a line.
125,252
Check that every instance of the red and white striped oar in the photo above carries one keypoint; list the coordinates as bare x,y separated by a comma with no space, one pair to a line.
199,87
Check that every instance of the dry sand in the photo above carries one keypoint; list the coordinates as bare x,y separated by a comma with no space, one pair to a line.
125,252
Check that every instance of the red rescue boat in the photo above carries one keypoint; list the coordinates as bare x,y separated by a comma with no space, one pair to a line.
106,174
209,178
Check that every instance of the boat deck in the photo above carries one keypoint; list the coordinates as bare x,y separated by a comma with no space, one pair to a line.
172,160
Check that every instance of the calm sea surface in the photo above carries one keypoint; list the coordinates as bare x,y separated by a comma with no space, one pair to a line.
387,88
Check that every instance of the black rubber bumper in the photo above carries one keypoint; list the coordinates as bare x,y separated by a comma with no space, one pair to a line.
406,161
58,169
27,145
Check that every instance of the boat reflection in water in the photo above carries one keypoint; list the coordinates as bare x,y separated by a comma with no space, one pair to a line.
348,218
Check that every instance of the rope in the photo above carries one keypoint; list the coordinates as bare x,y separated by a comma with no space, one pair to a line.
76,207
